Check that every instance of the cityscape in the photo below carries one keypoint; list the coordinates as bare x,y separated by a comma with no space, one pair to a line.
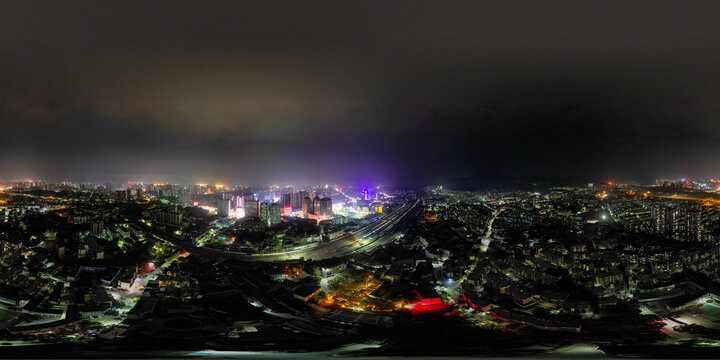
291,180
92,268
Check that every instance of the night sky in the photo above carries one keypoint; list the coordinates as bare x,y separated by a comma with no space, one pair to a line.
415,92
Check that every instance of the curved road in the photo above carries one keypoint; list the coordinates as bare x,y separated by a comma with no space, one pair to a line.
384,230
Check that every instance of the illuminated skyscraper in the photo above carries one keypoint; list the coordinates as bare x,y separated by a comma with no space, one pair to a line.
316,205
307,206
287,200
97,228
299,200
275,214
251,208
365,194
171,216
264,212
223,207
378,207
325,209
679,222
239,202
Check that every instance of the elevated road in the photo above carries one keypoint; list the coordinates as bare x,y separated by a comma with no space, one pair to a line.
385,229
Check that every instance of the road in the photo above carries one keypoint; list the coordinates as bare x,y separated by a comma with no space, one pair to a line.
131,296
451,291
387,228
383,231
486,238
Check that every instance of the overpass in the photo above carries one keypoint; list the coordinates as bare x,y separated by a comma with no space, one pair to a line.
383,231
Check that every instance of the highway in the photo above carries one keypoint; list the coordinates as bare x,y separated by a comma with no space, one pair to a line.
377,233
384,230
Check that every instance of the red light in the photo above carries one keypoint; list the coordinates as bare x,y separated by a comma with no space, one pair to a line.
426,305
430,301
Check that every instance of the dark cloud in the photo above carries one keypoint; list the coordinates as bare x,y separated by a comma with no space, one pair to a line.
400,92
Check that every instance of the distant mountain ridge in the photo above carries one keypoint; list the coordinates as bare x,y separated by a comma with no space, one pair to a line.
504,182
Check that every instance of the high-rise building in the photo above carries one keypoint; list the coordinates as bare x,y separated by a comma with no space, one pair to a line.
307,206
678,222
139,194
291,204
61,249
366,194
223,207
693,224
275,214
239,202
97,228
316,205
251,208
264,212
172,216
184,197
286,200
293,200
325,209
299,199
378,207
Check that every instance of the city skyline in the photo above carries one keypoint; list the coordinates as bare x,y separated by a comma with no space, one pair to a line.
359,179
205,270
